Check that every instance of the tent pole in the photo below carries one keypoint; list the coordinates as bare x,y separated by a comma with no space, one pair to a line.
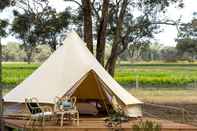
100,92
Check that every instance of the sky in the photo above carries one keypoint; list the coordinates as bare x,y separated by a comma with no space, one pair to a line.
166,37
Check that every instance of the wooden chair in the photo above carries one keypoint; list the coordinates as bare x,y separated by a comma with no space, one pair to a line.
71,112
73,100
36,111
59,101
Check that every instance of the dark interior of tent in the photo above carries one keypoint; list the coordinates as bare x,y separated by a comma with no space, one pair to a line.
92,96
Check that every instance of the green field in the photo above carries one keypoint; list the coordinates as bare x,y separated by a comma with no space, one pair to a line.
148,74
14,73
157,74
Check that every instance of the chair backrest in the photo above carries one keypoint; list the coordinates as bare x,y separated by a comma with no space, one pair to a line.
59,101
33,105
73,100
57,104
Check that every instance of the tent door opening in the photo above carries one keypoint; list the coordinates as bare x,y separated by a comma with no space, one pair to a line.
92,97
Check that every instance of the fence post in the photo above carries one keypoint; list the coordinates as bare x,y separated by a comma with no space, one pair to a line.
183,115
136,80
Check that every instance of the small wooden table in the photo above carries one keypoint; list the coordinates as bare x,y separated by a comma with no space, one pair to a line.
71,115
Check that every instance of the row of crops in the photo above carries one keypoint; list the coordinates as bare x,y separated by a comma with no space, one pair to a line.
161,74
14,73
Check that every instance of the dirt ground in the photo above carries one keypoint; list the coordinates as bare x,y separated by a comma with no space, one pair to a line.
182,113
179,105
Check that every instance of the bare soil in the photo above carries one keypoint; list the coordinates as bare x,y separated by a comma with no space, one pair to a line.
177,112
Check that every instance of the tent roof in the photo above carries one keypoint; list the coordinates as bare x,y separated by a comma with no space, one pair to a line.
61,71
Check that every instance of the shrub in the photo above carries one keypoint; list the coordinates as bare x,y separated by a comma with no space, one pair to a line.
147,126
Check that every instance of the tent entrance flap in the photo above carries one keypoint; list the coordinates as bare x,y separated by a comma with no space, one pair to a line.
90,89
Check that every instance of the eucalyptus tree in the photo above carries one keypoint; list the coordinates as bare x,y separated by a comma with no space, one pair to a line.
51,30
36,22
115,22
187,39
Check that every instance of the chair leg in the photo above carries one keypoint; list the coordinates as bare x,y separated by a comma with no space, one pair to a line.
29,121
73,118
62,120
77,119
43,121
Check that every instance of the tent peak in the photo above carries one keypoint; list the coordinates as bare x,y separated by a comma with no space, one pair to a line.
73,34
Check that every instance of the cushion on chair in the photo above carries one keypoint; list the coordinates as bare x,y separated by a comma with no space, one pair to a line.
67,105
34,105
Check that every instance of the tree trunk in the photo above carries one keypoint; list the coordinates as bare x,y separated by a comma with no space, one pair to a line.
110,66
53,45
1,91
101,36
29,55
87,19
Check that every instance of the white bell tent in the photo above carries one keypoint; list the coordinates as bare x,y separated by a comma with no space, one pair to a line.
73,70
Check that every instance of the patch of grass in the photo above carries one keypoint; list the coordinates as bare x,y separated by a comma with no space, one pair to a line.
147,126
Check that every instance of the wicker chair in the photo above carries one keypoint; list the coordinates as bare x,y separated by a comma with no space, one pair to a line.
37,112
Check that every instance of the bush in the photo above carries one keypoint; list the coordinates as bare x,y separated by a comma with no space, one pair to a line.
147,126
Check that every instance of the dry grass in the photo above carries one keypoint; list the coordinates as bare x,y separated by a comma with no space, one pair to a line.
166,95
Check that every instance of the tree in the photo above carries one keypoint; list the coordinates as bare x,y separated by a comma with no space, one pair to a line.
87,18
139,50
187,40
38,24
42,52
187,47
130,29
21,27
110,66
169,54
51,28
124,28
102,32
12,52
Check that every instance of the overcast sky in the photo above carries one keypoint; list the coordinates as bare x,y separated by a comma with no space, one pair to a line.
166,37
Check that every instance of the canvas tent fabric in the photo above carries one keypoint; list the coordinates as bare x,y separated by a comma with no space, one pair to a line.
63,71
